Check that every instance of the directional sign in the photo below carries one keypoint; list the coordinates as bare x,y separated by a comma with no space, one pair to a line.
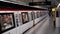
40,3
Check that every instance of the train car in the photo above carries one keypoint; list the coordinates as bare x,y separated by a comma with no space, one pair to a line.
18,20
15,22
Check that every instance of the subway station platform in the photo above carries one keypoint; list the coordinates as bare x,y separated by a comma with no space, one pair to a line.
46,28
29,17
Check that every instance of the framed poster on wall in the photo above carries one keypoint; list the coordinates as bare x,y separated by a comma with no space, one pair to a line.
7,21
25,17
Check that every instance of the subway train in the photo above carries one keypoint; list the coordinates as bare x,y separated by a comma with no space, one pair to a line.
17,22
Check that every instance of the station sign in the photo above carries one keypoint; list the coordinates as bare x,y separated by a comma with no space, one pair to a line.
40,3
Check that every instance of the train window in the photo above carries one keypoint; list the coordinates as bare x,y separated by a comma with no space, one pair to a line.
7,21
25,17
32,15
29,14
41,14
37,14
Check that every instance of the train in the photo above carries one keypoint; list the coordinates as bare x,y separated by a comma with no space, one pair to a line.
17,22
17,17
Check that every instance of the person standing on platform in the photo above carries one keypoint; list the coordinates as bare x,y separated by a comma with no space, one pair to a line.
54,16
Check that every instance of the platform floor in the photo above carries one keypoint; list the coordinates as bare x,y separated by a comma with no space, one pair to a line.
46,28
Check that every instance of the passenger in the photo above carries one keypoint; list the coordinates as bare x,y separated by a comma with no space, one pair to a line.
54,18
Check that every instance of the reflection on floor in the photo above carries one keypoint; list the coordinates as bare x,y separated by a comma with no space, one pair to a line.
57,30
46,28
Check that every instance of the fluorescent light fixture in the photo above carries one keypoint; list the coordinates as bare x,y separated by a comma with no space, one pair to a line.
58,5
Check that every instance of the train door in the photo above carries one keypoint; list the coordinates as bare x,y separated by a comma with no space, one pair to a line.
33,17
37,15
18,21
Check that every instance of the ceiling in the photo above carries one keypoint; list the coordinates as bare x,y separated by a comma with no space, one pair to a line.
54,3
58,0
